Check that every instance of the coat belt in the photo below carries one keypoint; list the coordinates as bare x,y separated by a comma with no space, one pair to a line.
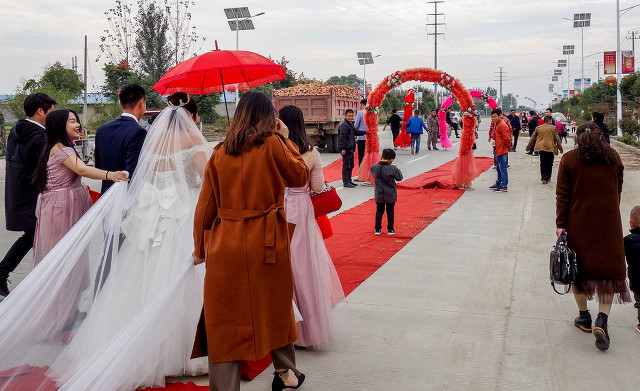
270,230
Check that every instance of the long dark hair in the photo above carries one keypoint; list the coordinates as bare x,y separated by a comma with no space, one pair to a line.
55,132
252,123
292,117
592,148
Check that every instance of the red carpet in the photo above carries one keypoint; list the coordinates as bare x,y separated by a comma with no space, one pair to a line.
356,252
333,171
442,176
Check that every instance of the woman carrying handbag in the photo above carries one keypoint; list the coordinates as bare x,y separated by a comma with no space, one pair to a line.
587,210
317,285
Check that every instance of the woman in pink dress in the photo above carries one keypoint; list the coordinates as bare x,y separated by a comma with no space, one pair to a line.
317,285
63,198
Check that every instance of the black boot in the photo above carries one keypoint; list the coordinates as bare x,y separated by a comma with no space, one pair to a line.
4,288
583,322
601,332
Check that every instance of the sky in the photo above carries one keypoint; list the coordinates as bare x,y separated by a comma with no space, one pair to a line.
320,38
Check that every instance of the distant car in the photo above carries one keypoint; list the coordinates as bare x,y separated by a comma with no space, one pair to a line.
456,116
144,121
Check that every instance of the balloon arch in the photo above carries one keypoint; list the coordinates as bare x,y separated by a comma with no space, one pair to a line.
442,115
464,168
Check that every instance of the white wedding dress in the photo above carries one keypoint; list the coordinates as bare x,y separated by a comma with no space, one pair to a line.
136,323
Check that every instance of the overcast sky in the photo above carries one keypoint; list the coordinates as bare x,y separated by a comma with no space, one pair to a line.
321,37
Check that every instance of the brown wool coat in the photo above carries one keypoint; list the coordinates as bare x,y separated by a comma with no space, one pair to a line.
241,231
546,139
588,207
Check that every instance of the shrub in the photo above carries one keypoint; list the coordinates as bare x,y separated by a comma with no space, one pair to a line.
630,139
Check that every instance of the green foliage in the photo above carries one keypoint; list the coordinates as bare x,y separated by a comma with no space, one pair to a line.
206,107
63,84
351,80
153,53
630,126
630,139
117,76
105,112
599,97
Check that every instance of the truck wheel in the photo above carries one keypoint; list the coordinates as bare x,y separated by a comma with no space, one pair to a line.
332,143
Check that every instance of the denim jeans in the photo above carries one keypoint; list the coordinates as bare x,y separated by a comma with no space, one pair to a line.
503,176
415,139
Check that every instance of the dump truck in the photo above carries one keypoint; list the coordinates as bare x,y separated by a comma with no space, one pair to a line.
323,106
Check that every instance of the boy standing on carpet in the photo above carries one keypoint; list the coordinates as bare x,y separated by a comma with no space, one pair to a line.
385,175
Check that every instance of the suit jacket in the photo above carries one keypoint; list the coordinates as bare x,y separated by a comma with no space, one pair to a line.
118,145
24,147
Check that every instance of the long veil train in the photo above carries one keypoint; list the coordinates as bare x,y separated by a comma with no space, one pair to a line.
115,304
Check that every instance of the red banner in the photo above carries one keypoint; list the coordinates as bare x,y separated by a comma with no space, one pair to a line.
609,63
627,61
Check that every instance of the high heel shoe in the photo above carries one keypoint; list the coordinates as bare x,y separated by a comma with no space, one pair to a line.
278,383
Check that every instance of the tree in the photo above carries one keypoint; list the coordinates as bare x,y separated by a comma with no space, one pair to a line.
351,80
120,38
63,84
153,53
492,92
206,107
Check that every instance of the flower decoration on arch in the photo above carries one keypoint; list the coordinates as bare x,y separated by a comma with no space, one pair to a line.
394,79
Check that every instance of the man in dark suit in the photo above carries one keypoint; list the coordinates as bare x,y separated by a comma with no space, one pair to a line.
118,143
24,146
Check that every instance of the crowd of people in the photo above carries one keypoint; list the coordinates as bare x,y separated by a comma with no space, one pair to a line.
117,297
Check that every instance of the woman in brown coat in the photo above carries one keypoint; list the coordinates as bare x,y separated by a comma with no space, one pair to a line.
587,209
241,232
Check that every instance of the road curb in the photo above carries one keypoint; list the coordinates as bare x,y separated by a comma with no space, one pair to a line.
626,146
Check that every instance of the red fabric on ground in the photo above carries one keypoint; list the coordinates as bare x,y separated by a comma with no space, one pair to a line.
333,171
24,378
357,253
441,177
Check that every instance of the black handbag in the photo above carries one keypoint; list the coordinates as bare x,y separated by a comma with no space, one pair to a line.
563,265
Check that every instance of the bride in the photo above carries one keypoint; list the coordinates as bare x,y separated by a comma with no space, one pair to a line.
139,325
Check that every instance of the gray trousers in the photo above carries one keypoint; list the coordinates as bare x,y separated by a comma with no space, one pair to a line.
432,140
225,376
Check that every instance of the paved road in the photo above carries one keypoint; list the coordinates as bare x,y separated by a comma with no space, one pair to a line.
467,304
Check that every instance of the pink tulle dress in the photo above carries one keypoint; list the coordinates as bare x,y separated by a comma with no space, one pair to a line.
317,285
63,203
444,139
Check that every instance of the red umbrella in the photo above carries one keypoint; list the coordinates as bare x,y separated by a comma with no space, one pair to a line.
219,70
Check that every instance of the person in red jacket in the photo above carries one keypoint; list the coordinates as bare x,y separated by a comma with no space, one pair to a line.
503,145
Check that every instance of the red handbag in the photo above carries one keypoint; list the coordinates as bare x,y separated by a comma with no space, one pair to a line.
326,202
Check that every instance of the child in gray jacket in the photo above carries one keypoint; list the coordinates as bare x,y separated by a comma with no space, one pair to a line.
385,175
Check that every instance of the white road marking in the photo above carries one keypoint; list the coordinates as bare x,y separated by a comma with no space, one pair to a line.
420,158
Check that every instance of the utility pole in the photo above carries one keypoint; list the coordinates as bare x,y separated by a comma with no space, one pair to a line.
435,34
86,86
501,76
634,35
599,63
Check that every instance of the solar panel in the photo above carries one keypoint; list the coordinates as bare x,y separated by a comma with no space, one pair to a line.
364,55
237,13
245,24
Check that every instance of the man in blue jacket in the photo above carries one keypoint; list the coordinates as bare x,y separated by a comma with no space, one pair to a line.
118,143
414,126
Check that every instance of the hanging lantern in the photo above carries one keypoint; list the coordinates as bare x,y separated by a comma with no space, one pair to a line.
610,80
